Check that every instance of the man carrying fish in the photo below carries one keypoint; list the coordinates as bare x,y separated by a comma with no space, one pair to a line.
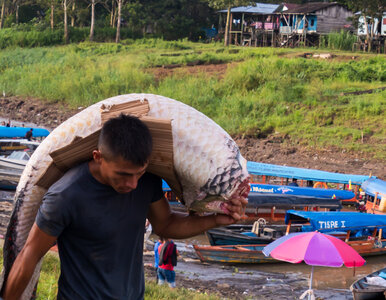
96,213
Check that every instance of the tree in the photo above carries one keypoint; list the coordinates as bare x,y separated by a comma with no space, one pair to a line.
372,9
118,36
228,4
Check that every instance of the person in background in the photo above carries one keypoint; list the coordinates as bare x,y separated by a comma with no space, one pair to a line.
28,134
294,182
166,263
156,255
2,123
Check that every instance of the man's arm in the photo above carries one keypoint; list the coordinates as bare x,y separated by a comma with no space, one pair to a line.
37,244
178,226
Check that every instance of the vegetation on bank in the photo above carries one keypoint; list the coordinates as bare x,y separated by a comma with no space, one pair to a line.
263,91
49,275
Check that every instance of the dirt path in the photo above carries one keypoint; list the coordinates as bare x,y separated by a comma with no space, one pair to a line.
274,149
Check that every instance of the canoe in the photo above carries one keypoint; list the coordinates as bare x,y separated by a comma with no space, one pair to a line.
236,254
233,236
302,191
19,132
363,290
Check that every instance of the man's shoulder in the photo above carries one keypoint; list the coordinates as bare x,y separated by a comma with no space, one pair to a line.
70,179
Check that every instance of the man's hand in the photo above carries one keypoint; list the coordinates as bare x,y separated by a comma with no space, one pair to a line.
236,208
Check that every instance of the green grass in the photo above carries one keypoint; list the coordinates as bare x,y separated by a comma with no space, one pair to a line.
265,90
49,275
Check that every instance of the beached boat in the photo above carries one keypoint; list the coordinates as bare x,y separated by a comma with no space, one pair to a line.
274,206
369,288
7,146
343,195
15,161
19,132
375,195
243,254
366,233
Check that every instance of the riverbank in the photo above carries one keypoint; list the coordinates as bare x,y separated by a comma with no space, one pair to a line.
274,149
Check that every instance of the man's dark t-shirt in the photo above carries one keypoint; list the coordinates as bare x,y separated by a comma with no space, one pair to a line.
100,234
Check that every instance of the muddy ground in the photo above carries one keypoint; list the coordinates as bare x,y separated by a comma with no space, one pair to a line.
275,149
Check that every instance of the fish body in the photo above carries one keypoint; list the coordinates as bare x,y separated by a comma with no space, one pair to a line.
207,162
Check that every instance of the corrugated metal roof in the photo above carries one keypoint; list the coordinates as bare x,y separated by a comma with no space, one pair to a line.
309,7
291,5
259,8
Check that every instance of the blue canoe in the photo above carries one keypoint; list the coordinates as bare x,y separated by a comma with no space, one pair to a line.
19,132
301,191
374,186
257,168
332,220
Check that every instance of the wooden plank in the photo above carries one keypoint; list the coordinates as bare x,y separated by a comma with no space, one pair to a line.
136,108
80,150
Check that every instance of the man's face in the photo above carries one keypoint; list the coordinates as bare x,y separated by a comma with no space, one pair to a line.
120,174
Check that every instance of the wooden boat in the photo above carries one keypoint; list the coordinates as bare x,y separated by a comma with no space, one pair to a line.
363,290
374,191
243,254
19,132
257,234
7,146
9,179
342,195
277,174
366,233
15,161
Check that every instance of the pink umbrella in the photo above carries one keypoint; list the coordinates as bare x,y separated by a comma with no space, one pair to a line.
316,249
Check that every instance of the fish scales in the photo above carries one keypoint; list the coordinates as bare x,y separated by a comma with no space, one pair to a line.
206,161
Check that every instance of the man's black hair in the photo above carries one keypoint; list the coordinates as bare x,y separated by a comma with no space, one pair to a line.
127,137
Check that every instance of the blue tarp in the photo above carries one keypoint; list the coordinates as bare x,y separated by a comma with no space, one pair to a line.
258,8
19,132
372,186
258,200
330,221
305,174
301,191
165,186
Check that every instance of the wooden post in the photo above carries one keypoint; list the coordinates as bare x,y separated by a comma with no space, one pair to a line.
242,30
347,236
288,227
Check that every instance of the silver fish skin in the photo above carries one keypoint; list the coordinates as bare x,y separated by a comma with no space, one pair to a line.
207,161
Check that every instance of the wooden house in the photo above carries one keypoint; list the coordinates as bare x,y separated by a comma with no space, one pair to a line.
252,25
315,17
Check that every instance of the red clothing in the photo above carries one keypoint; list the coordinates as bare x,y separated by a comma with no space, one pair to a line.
168,265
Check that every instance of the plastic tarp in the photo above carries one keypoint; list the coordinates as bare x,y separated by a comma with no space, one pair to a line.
256,200
373,186
330,221
305,174
301,191
259,8
15,132
165,186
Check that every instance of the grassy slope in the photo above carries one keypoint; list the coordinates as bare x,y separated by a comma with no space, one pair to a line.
267,91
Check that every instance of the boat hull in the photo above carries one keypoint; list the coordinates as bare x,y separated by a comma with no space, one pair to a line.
237,254
361,290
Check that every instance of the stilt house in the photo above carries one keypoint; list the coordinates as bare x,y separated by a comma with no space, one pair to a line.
315,17
252,25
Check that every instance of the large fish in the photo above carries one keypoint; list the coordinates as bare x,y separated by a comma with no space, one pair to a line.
207,162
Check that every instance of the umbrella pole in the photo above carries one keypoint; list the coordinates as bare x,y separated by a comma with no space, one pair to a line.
312,276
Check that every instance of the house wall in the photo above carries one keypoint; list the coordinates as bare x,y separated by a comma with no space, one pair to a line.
332,18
